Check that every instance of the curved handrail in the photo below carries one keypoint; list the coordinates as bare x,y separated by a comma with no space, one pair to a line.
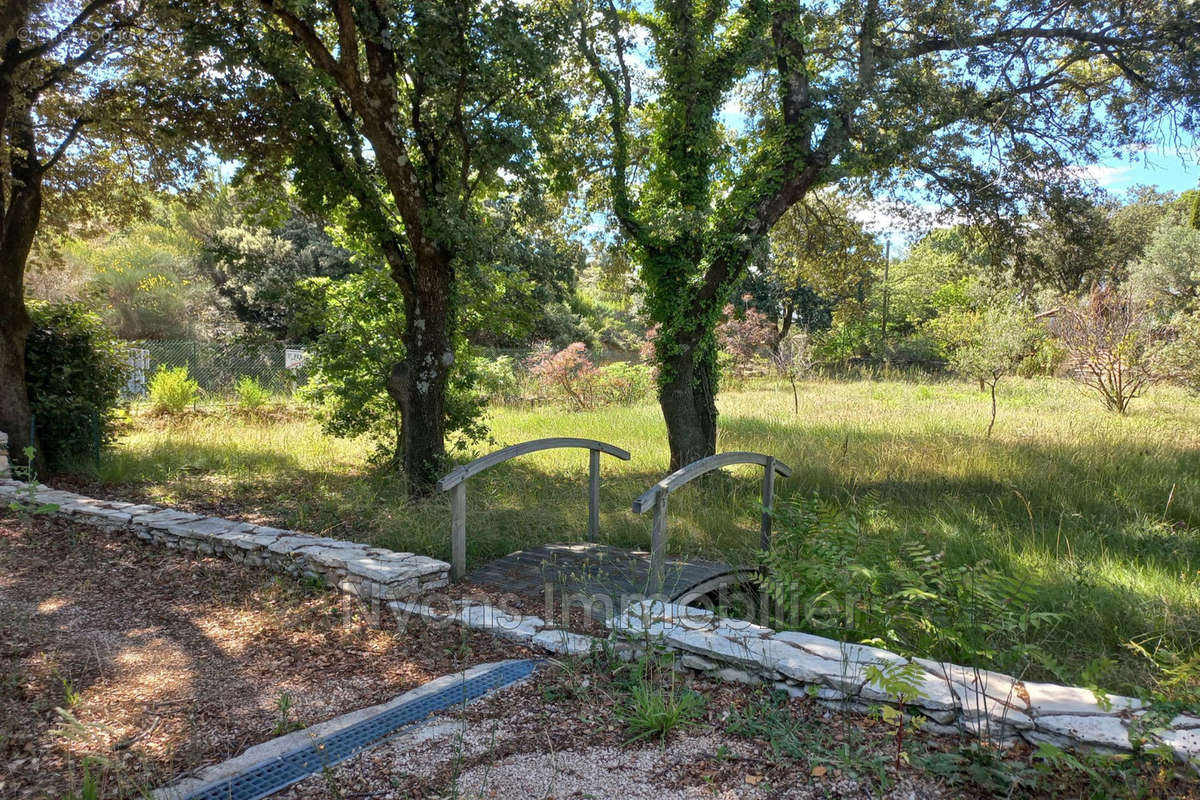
685,475
456,481
462,473
656,497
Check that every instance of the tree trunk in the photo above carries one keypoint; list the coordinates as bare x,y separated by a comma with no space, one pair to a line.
18,225
418,384
687,397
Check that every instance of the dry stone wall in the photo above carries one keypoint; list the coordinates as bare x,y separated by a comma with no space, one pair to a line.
368,572
950,698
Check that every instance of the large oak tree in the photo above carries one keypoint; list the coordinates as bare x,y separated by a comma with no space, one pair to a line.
77,121
403,117
748,107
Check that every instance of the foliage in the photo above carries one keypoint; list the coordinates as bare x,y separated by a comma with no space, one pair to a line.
818,90
1111,346
987,344
568,374
825,570
255,268
746,337
142,280
1069,244
409,125
251,395
819,257
76,371
172,391
655,704
1166,279
361,319
624,383
498,379
1178,358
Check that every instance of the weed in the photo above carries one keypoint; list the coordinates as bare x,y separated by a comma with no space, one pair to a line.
71,696
172,391
251,396
284,722
26,505
653,703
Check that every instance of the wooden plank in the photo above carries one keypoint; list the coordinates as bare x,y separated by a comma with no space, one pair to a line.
593,495
460,474
685,475
768,501
600,571
658,543
458,532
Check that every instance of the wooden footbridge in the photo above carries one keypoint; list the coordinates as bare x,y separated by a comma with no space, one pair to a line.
592,569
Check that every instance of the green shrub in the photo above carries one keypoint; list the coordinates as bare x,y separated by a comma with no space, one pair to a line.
251,396
172,391
498,379
362,321
624,383
75,371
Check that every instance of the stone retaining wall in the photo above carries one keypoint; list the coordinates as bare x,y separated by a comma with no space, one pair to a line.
950,698
368,572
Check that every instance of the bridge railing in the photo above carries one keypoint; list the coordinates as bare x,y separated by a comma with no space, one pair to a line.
456,482
656,497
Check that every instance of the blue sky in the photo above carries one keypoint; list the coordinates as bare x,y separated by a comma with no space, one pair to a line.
1165,169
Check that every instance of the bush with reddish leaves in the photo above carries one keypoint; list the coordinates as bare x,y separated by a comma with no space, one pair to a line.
567,374
746,338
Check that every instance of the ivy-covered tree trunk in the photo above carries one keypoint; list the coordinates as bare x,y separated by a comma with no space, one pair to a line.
687,396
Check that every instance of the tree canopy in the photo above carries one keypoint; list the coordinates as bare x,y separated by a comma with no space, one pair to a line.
969,102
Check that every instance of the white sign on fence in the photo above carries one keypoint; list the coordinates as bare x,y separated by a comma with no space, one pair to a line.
293,358
138,360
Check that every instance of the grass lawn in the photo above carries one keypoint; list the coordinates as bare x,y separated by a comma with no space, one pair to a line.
1099,514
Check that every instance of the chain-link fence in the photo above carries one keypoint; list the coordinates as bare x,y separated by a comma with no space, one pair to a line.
217,366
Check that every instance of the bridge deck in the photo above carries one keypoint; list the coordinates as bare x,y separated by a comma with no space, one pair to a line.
602,570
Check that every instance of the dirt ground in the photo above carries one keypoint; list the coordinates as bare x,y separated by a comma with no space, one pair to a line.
559,735
138,664
148,662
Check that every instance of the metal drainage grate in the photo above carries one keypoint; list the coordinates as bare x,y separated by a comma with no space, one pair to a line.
269,777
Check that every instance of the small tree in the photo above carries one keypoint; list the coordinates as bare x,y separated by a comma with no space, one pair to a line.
792,360
994,341
569,370
1110,346
745,335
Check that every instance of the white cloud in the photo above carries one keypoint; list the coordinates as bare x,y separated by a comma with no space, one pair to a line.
1102,175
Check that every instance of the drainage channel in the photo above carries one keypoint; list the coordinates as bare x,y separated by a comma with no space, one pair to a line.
321,752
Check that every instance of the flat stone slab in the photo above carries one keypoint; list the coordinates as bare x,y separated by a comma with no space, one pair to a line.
1048,699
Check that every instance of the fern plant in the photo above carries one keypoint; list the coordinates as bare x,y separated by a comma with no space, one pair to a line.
848,571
